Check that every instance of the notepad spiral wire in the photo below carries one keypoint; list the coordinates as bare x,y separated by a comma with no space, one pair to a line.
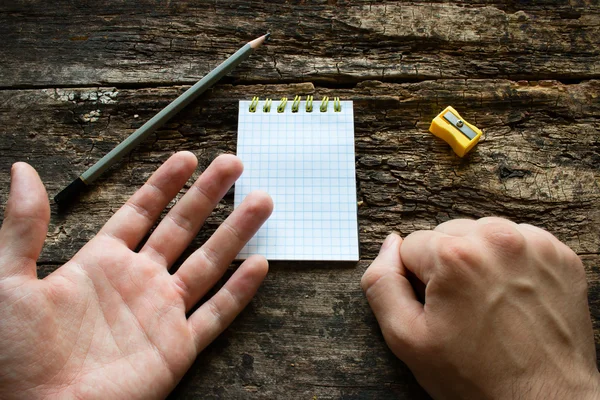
303,156
337,105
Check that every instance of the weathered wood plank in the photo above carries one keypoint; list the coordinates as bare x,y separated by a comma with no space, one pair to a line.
151,42
310,331
538,161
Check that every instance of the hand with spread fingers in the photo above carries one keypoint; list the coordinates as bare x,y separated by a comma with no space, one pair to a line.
505,313
111,323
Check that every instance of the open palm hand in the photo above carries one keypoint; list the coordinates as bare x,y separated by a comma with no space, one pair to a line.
111,322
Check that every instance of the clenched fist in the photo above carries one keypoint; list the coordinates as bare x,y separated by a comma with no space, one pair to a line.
505,314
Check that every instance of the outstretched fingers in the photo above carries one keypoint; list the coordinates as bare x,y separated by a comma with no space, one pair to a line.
133,220
208,321
182,223
206,265
25,223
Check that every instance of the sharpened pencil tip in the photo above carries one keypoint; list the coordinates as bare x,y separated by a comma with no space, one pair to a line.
258,41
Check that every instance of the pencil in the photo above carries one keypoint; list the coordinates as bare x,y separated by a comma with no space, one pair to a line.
96,170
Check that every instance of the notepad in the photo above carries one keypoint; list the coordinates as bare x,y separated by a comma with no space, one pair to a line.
305,161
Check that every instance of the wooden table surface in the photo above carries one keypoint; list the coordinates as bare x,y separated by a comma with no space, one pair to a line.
77,79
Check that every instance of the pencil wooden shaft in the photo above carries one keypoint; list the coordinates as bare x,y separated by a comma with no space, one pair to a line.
163,116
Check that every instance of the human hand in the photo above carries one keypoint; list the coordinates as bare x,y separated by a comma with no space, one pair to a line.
505,314
111,323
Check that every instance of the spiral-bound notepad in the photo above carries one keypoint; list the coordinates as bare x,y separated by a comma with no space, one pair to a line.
305,161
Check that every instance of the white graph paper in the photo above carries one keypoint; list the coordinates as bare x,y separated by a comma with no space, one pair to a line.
305,161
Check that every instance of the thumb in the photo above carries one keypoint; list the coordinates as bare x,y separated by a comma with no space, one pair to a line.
392,298
25,223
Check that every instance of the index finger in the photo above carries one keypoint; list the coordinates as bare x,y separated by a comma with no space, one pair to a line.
133,220
392,298
419,253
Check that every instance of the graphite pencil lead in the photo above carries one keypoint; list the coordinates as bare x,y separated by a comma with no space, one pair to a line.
258,41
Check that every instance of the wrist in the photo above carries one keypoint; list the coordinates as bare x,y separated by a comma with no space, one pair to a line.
584,386
593,393
588,389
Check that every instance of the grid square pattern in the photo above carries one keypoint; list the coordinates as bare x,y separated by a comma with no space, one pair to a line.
305,161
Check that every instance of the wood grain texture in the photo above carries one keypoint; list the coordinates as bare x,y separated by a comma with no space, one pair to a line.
78,79
148,42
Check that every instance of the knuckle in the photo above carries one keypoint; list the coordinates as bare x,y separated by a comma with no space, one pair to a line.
27,210
373,285
182,221
504,236
203,192
495,220
233,232
453,252
368,280
544,239
181,286
139,209
574,262
577,270
209,257
542,245
216,314
546,247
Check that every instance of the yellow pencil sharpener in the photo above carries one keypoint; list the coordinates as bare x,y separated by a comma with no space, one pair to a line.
454,130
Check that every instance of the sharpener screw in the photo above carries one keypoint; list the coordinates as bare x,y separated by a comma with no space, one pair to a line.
459,123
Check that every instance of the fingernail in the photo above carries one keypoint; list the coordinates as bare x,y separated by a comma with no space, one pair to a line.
388,242
13,169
